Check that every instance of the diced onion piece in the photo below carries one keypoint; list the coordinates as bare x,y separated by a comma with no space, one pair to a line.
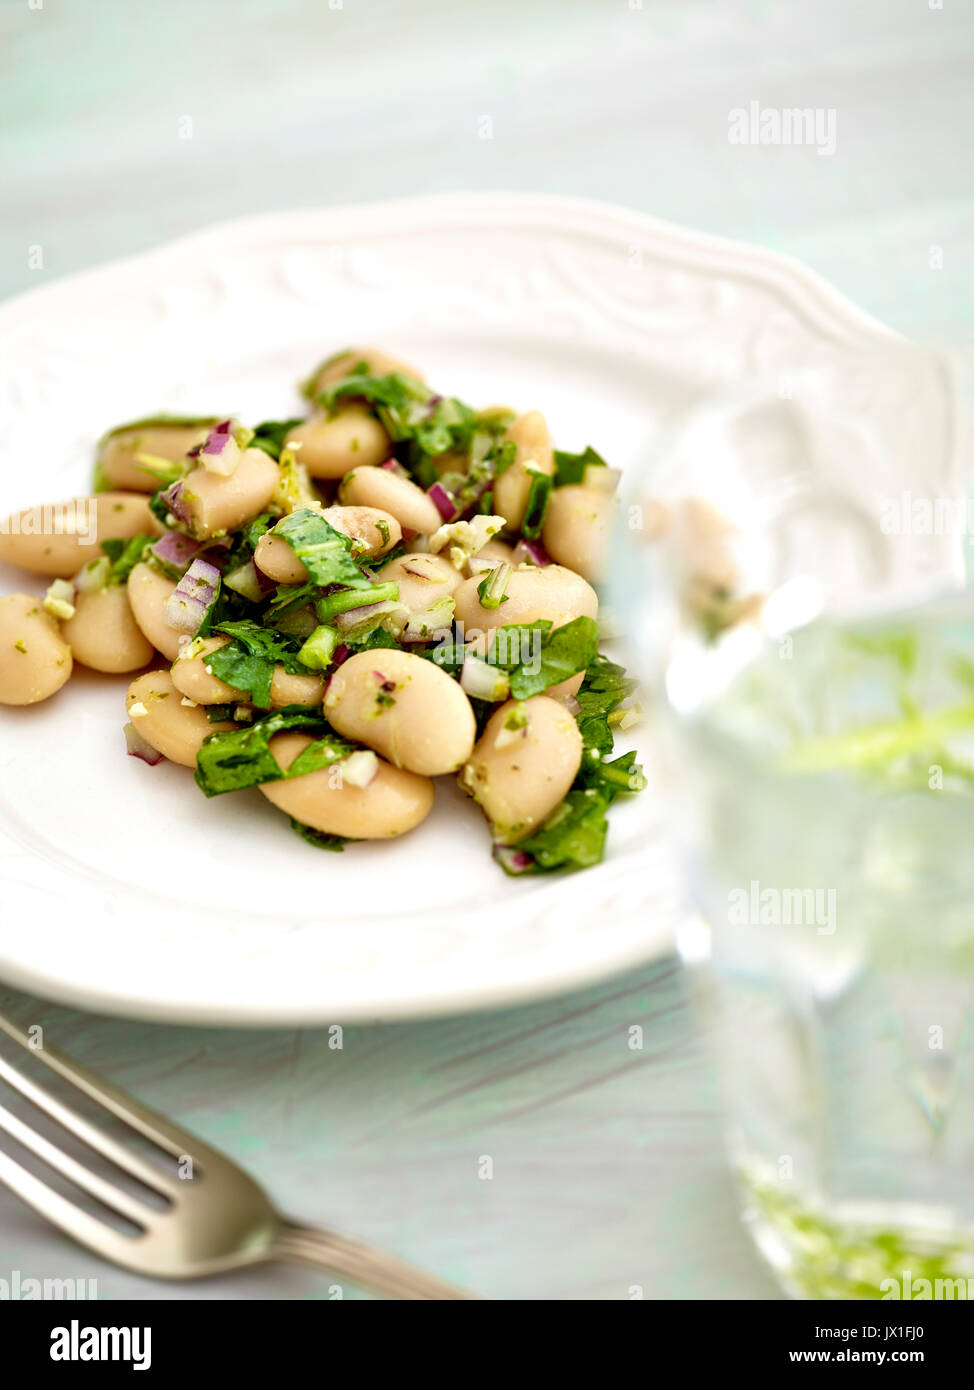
482,681
138,747
220,452
356,621
430,624
597,475
59,600
528,552
394,466
477,564
94,576
176,551
359,768
173,500
187,606
246,581
442,500
514,860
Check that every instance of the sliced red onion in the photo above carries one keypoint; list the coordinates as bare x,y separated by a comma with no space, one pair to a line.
394,466
515,861
341,653
476,565
220,452
359,768
528,552
138,747
445,504
355,618
176,551
484,682
572,705
174,501
431,624
188,604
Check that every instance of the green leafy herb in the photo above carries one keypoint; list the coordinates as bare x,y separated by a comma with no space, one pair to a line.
271,434
219,714
570,468
125,555
318,838
253,530
604,688
564,652
233,759
573,836
247,663
623,774
325,553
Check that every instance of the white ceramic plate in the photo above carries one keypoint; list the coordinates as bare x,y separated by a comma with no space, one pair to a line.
123,890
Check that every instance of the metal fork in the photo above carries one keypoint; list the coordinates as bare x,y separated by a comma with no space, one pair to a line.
218,1220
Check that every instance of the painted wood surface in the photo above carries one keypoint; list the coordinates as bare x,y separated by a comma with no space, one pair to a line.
128,122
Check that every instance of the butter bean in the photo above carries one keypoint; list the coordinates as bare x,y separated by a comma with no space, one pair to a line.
534,454
394,802
148,594
35,661
553,592
422,579
175,730
523,765
332,444
577,529
59,540
104,634
379,487
210,504
119,465
191,678
405,708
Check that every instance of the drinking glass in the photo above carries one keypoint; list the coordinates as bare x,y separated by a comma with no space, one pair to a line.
809,640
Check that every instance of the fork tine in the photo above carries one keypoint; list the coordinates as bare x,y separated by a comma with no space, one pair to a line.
95,1234
146,1122
96,1186
89,1134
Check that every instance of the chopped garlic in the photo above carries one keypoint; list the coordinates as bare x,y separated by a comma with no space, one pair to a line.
190,704
138,710
465,538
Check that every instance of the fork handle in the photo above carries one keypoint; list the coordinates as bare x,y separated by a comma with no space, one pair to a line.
375,1270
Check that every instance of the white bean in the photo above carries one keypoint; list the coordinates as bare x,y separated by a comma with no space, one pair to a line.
35,661
534,454
405,708
380,487
577,529
332,444
175,730
524,763
394,801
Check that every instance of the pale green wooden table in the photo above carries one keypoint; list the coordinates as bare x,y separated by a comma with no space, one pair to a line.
607,1167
